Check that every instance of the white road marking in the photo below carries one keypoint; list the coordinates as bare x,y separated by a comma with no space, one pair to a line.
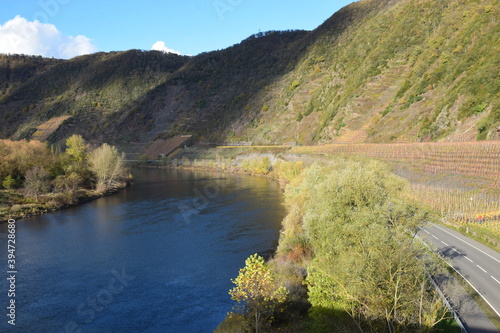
444,243
482,296
495,279
467,243
427,232
477,291
482,269
435,237
456,250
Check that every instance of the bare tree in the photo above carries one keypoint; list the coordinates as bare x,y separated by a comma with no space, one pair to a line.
107,165
36,182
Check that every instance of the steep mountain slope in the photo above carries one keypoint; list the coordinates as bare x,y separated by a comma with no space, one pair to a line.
137,96
407,71
376,71
88,88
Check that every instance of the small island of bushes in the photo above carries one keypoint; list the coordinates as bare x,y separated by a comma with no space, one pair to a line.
36,178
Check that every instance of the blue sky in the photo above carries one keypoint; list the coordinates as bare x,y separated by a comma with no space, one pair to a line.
186,26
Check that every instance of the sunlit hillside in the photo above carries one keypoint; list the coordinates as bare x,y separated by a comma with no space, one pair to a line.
376,71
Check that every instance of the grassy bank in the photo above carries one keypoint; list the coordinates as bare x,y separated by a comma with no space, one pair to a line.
14,205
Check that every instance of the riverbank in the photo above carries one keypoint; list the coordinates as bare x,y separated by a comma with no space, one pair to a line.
293,254
334,210
15,206
458,181
267,162
37,179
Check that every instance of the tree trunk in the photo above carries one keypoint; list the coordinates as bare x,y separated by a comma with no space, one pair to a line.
257,322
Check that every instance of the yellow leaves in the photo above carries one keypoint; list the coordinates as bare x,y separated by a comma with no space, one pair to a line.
76,148
255,284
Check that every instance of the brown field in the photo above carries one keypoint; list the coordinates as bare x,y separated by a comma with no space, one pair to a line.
47,128
474,159
458,180
166,147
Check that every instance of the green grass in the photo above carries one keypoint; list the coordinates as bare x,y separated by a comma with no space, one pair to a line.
479,235
447,326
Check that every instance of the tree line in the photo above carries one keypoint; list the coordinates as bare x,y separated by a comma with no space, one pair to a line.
42,174
347,259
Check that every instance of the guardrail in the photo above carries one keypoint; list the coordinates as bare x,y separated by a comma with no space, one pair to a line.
442,295
448,305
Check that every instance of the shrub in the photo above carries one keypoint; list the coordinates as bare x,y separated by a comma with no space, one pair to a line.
343,218
286,171
36,182
8,182
67,183
257,166
256,292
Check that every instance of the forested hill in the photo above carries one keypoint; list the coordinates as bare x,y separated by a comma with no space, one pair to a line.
376,71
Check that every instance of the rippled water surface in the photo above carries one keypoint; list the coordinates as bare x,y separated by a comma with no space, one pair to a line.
156,257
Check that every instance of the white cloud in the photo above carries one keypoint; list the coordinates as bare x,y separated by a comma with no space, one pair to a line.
34,38
160,46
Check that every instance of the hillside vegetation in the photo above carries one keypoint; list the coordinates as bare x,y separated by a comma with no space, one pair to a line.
347,258
376,71
383,71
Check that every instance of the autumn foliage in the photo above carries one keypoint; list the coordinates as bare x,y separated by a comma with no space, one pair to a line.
256,292
35,178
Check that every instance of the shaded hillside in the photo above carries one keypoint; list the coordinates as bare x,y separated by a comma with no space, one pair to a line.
213,90
376,71
88,88
137,96
16,69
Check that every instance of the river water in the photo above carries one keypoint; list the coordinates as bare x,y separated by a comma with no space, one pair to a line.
156,257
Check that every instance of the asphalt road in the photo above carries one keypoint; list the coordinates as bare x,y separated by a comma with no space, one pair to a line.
478,264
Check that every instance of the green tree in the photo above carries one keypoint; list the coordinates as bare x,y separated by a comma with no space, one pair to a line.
8,182
77,148
366,262
256,291
75,160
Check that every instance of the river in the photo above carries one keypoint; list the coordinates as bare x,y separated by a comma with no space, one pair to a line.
155,257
